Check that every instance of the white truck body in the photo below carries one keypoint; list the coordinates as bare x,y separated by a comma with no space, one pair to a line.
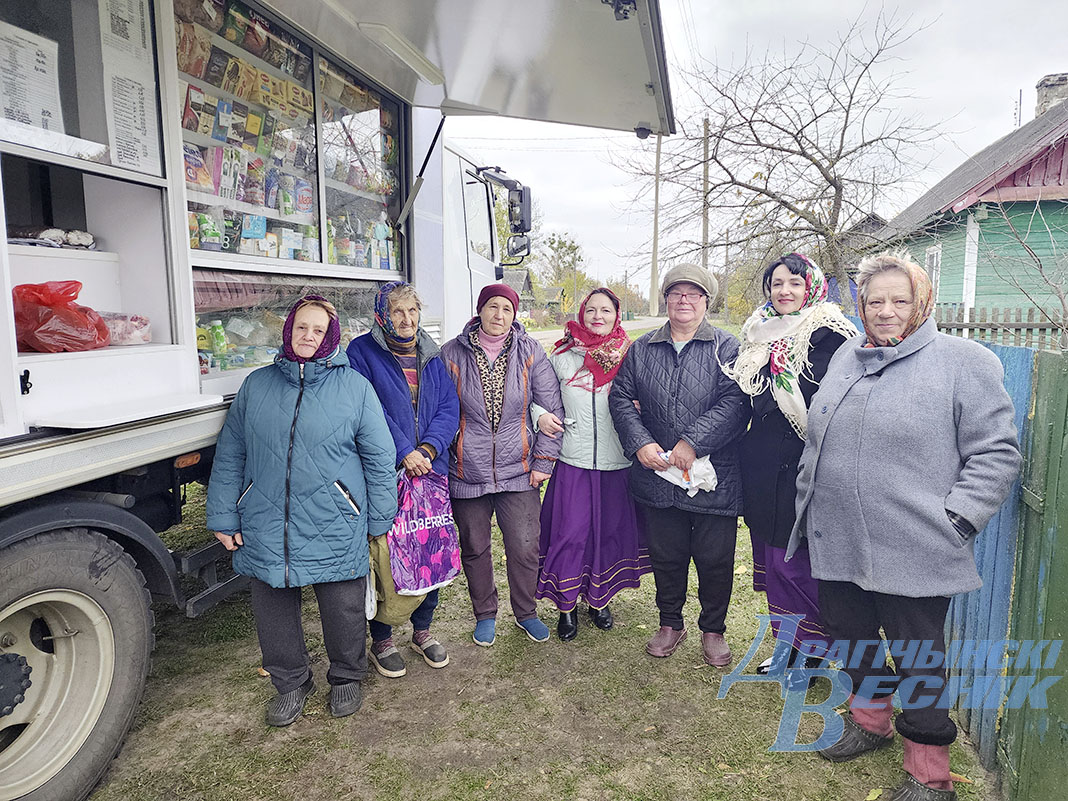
95,446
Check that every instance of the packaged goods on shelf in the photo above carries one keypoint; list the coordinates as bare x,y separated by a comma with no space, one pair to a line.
209,108
210,225
236,22
127,329
236,132
215,70
256,34
220,127
197,176
266,143
253,129
192,107
231,230
209,13
194,48
47,320
194,230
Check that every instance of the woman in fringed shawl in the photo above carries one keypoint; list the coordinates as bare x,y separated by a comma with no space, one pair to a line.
786,346
591,546
911,449
422,409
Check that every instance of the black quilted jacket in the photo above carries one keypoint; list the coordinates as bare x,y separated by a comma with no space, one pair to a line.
682,396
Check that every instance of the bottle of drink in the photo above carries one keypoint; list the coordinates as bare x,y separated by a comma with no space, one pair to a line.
218,343
331,241
344,240
359,246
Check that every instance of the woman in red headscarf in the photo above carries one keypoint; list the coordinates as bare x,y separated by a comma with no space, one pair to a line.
590,542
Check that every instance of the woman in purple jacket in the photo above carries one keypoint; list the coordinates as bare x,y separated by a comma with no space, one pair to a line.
498,461
402,363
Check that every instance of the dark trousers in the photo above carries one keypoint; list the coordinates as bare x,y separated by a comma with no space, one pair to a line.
421,618
518,518
674,538
281,633
853,614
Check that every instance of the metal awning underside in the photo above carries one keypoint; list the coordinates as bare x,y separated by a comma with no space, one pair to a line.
568,61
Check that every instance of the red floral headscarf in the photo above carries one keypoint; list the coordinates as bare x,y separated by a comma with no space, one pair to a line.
604,353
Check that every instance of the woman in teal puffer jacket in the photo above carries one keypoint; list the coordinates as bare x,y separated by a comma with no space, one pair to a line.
303,474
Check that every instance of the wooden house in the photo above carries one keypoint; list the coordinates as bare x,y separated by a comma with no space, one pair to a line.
989,229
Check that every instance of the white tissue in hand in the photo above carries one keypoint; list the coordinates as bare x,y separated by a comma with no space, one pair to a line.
700,476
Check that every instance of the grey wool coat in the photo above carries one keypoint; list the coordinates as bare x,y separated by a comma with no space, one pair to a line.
898,437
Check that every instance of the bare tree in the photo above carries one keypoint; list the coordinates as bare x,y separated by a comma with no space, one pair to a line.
802,149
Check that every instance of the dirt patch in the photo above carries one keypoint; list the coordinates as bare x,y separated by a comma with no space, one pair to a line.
594,719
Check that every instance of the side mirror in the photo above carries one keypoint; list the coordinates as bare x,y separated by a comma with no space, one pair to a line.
518,246
519,210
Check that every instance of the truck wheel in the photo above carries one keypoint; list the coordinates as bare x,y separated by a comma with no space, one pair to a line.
74,606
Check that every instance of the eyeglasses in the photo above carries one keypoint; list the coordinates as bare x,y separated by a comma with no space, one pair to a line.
693,297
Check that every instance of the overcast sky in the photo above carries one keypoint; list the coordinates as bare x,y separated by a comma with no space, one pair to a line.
968,65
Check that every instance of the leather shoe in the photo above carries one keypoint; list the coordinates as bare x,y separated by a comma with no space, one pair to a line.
284,708
855,740
567,627
716,651
602,618
665,641
913,790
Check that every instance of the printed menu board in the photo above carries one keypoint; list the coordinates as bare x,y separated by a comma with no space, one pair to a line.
29,79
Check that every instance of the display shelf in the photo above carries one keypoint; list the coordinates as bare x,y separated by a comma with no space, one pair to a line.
312,269
222,94
340,186
201,140
76,254
237,50
208,199
27,358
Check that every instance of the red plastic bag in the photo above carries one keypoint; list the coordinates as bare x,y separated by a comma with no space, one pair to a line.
49,321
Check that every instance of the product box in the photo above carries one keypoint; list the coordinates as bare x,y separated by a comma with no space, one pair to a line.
266,143
208,111
298,97
246,81
218,61
231,75
253,129
238,116
197,176
257,34
194,49
194,106
223,113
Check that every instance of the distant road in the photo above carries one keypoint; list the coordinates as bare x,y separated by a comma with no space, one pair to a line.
637,324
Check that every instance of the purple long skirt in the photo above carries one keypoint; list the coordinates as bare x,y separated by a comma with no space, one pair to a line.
592,544
791,590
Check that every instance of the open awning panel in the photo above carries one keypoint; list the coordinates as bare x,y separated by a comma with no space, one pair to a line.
599,63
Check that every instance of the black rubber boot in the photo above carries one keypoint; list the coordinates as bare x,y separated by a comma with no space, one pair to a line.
284,708
567,628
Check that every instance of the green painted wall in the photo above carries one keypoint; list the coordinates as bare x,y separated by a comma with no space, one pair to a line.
1002,259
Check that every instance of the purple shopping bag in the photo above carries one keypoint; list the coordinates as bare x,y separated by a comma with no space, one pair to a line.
424,550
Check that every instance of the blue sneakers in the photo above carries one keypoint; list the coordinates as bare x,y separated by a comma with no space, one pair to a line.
486,632
534,628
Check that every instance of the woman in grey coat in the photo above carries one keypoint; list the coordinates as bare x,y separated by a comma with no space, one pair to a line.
911,449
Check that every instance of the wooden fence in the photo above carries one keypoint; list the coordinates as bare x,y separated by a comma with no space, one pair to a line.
1029,328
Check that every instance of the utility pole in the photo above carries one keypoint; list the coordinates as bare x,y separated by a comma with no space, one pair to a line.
704,206
726,276
654,278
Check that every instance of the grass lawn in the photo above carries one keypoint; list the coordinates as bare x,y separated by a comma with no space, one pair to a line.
592,719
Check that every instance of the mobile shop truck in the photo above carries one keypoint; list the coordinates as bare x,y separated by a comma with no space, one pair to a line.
197,165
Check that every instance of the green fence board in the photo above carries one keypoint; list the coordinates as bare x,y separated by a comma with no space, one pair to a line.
1034,743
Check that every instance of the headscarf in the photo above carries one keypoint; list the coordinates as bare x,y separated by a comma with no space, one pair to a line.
923,305
602,353
395,341
330,341
783,342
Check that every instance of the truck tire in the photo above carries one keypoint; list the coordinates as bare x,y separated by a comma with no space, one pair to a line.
74,605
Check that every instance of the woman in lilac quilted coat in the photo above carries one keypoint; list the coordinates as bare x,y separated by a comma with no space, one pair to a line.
498,459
